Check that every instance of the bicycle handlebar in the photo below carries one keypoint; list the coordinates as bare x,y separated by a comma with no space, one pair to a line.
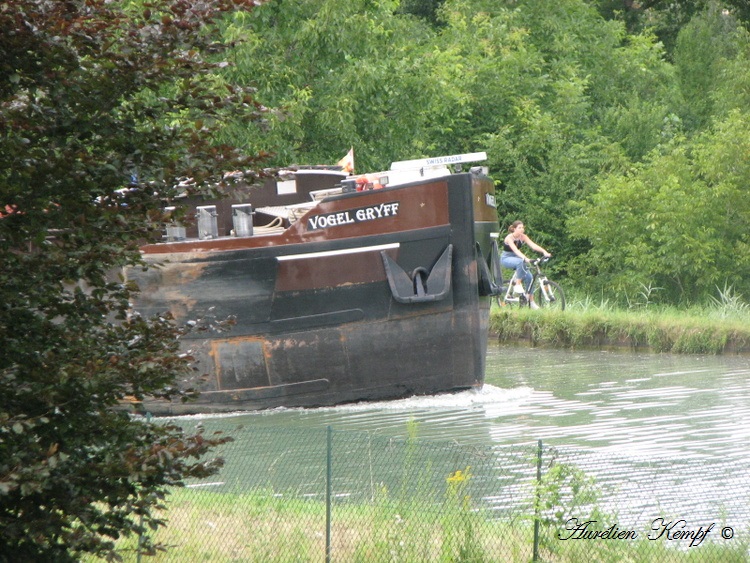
540,260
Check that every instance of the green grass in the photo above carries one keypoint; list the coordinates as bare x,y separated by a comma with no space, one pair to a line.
720,327
265,528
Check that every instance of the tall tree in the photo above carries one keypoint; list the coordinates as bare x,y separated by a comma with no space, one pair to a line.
679,219
342,73
104,107
678,222
704,49
666,18
559,94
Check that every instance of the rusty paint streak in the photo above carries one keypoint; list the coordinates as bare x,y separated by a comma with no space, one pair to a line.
214,353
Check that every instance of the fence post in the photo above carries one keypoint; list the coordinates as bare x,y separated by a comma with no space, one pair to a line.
140,540
139,551
537,515
328,492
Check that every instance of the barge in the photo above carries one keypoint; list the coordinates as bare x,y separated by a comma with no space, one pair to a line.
341,287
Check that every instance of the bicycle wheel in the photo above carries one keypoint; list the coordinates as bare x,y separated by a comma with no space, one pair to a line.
553,298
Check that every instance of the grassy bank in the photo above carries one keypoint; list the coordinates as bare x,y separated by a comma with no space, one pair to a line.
427,502
265,528
719,329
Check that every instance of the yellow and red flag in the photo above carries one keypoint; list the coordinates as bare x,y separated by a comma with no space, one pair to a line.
347,163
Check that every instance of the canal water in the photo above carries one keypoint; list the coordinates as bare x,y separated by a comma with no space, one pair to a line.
654,424
639,403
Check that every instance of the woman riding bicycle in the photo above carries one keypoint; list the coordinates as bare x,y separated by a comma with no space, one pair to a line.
514,259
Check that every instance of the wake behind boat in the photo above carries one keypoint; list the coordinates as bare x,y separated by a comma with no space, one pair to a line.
343,288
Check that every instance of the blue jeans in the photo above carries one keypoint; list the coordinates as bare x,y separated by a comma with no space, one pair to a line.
513,262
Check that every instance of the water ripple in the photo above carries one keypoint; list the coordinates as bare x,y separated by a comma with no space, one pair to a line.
658,419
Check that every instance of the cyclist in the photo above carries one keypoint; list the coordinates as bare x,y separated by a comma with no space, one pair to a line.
514,258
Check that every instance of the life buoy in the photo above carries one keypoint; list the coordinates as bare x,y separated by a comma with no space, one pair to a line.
368,182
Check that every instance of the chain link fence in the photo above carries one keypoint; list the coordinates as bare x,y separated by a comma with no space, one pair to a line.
332,495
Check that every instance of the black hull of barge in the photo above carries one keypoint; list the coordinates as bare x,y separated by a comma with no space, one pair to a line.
323,322
342,365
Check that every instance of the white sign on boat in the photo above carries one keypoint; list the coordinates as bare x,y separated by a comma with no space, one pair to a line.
439,161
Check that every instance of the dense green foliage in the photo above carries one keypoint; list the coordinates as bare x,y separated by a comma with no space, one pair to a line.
101,112
616,130
613,129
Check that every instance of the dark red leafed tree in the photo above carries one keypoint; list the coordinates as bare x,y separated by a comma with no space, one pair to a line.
105,106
